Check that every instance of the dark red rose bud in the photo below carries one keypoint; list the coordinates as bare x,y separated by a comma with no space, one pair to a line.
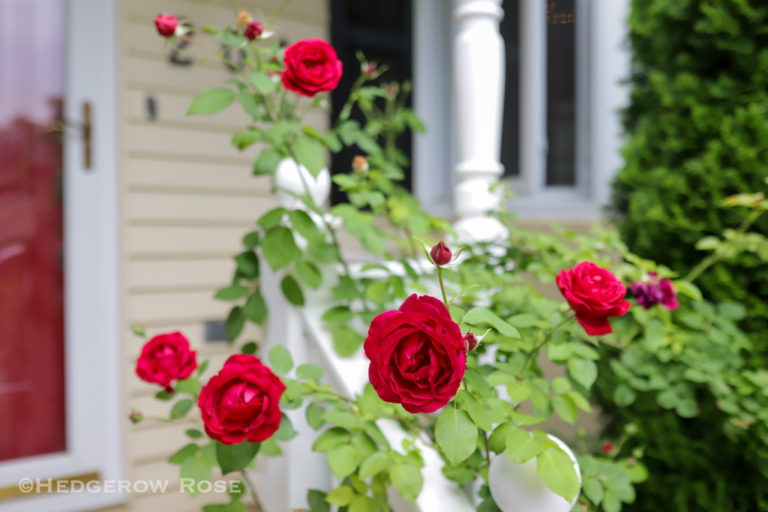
253,30
441,254
166,24
471,340
607,447
369,69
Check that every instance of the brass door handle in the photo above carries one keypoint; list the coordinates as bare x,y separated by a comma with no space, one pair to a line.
85,129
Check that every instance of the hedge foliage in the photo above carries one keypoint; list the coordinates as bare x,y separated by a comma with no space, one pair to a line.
697,130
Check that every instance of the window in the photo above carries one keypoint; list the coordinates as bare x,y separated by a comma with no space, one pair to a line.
382,30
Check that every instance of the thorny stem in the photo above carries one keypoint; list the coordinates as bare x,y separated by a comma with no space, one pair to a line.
252,490
533,353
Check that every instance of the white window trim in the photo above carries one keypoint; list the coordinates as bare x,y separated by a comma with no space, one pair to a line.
603,63
93,369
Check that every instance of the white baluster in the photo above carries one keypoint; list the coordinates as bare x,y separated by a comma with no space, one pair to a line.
478,60
290,180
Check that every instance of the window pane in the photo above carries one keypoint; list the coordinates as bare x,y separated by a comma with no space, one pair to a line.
32,420
561,92
510,132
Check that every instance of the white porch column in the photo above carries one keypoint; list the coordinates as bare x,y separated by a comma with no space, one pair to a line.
478,64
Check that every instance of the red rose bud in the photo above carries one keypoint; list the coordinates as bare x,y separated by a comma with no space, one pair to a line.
607,447
311,66
166,24
253,30
418,355
471,340
369,69
440,254
594,295
136,416
241,402
165,358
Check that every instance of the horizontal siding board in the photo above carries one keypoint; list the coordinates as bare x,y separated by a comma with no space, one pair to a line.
188,208
194,241
145,174
203,273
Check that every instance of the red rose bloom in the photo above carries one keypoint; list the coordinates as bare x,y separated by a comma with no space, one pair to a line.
594,294
253,30
166,358
242,402
418,355
166,24
311,66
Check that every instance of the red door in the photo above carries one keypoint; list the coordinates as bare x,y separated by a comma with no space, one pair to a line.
32,412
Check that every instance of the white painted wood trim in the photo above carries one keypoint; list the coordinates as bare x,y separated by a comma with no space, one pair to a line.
95,415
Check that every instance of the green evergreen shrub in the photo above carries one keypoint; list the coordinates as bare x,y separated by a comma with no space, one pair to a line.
697,130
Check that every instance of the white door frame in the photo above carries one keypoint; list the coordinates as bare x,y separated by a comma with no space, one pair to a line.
93,369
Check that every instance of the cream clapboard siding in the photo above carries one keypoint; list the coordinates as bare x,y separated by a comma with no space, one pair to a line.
187,198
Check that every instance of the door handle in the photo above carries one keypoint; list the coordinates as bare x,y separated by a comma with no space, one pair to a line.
84,127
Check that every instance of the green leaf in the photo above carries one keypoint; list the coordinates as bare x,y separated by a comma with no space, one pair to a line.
211,101
255,308
272,218
342,460
482,416
235,323
341,496
346,341
279,247
248,264
309,153
249,348
181,408
292,290
557,470
280,359
193,433
190,386
583,371
267,162
231,292
304,225
185,452
337,315
316,501
314,414
594,490
251,240
262,82
522,446
250,103
330,439
518,391
344,419
566,408
309,371
234,457
456,435
309,273
689,289
286,432
373,464
478,316
198,470
407,480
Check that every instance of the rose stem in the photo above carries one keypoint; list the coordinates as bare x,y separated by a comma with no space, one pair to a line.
442,285
252,490
532,354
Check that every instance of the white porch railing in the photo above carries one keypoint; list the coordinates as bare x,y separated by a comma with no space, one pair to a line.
479,89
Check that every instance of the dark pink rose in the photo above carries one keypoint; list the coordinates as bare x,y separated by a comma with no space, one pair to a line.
166,24
311,66
241,402
165,358
440,254
418,355
594,294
